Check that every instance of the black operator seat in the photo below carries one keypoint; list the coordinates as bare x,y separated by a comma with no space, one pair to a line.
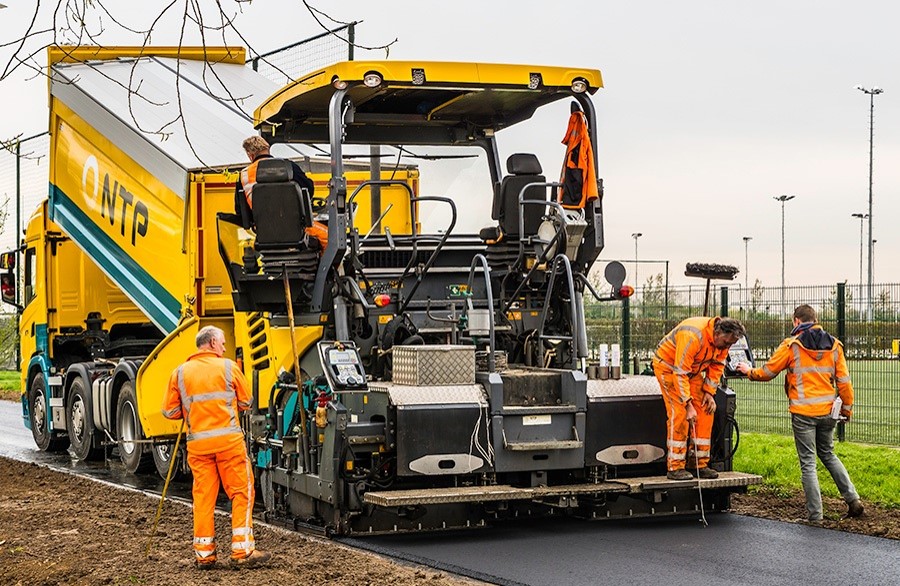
523,168
282,211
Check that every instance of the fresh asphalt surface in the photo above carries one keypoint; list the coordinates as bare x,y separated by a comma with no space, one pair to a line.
556,552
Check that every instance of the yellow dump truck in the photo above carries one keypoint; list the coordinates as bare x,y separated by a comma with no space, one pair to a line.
425,369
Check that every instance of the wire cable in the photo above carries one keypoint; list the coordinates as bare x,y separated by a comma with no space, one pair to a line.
692,431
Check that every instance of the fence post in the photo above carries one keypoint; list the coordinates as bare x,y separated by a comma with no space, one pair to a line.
723,310
351,38
840,314
626,335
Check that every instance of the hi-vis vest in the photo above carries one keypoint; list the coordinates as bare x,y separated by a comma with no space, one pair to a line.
208,392
687,351
811,376
248,180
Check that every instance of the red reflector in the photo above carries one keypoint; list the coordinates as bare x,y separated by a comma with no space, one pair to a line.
626,291
382,300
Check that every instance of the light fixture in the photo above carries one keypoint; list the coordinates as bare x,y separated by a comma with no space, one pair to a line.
418,76
338,83
535,81
372,79
579,86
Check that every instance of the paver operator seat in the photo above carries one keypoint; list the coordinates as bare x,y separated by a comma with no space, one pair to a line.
282,211
503,240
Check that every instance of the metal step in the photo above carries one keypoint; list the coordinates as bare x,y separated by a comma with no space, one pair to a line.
543,445
469,494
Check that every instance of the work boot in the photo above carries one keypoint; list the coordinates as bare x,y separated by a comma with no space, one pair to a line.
679,475
706,473
855,509
254,560
205,564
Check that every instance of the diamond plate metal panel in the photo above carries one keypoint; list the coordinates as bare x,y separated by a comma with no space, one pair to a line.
406,395
434,365
627,386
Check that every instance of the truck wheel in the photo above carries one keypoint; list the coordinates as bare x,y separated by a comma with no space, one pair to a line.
129,432
162,455
39,406
80,423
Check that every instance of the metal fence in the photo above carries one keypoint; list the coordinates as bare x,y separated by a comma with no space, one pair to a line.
866,329
289,63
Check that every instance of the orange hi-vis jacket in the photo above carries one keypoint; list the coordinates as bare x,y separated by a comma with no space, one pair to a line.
248,180
687,351
579,155
815,363
208,392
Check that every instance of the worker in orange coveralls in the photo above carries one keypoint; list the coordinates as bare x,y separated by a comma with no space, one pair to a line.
208,391
688,364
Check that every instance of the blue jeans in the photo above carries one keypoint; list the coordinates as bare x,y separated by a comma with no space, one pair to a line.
815,436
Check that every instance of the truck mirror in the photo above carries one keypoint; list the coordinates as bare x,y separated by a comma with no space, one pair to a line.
8,287
615,274
8,261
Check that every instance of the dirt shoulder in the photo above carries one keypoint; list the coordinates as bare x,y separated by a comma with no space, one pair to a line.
768,504
10,395
56,529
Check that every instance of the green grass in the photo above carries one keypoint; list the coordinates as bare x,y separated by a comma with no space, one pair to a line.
875,470
9,380
762,407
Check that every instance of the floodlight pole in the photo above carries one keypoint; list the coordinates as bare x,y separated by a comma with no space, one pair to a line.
782,199
862,219
871,93
747,240
636,235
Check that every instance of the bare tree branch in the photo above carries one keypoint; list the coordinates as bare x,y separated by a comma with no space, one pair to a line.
89,22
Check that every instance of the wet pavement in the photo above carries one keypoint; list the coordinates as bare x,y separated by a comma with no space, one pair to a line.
732,550
17,443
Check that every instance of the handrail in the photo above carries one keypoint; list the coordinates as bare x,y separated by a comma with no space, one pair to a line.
434,253
556,237
572,302
490,297
370,182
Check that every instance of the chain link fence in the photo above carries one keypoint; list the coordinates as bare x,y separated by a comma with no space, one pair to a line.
289,63
867,329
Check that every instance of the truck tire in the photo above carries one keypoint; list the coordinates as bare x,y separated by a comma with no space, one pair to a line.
162,455
80,423
38,406
129,432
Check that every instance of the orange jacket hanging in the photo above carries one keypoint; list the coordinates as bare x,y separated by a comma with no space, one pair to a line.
578,177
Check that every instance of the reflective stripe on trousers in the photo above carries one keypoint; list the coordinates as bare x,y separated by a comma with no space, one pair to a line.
677,425
231,467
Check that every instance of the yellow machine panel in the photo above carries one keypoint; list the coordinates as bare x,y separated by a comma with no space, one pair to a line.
132,223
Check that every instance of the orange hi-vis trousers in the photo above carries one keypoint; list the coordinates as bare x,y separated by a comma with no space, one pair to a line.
677,424
232,466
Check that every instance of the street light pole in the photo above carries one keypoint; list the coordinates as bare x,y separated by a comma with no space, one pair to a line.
636,235
782,199
747,240
871,93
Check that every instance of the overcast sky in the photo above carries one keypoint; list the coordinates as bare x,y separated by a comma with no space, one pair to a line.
710,108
